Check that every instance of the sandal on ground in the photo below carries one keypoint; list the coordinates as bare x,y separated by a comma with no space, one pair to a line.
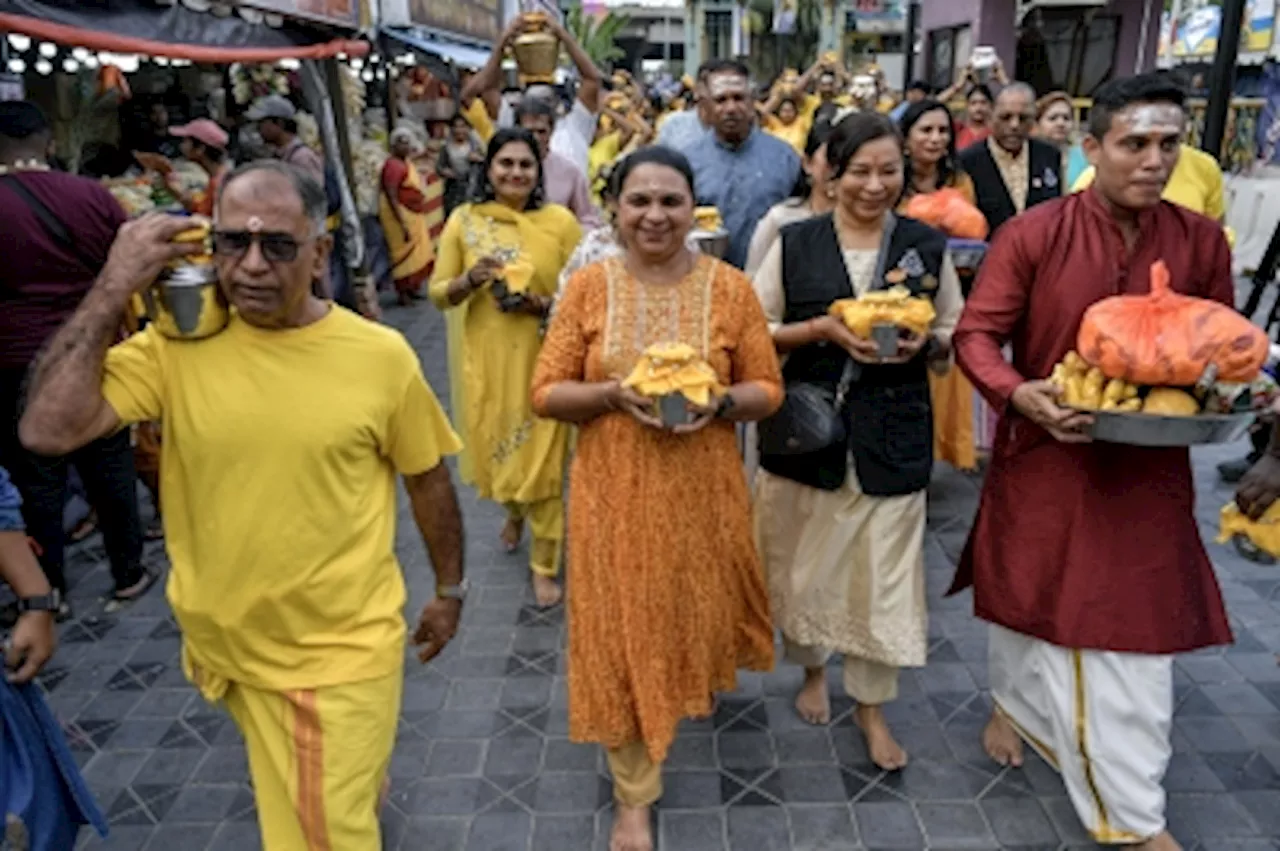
119,598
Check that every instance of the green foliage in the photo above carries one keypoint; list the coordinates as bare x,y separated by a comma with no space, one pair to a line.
598,35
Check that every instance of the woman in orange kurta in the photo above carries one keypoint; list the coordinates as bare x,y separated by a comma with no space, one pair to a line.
668,594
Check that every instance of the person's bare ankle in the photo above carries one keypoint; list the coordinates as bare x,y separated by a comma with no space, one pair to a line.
1001,740
813,702
631,829
885,751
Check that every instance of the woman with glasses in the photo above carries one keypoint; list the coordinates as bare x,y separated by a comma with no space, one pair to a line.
841,527
495,276
668,597
402,210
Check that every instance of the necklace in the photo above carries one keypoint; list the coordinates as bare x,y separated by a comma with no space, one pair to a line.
23,165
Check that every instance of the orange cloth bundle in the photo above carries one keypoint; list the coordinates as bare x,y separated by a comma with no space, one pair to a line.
1165,339
948,211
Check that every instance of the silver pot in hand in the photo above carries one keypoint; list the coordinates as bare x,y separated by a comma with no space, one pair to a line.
714,243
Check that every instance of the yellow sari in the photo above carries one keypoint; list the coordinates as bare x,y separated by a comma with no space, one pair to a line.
511,456
406,226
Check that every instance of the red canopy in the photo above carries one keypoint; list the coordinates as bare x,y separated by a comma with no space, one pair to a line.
113,43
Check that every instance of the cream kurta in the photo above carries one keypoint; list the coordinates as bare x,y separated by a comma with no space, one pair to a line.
846,570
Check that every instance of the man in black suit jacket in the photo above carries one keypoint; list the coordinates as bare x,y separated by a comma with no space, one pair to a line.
1010,170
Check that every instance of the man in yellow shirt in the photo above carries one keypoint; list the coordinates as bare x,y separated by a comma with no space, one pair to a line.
283,437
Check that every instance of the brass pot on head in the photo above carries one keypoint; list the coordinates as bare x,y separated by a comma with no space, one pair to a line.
536,50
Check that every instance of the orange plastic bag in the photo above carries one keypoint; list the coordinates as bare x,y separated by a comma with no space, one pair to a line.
1165,339
948,211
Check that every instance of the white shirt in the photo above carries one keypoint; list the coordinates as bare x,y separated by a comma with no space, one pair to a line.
573,134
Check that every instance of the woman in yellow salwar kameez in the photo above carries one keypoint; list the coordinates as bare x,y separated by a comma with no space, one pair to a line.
508,240
403,210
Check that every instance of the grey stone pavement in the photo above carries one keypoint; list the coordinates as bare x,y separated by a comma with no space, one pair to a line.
484,763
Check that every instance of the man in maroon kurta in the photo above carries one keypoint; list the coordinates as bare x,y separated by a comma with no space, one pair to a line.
1086,557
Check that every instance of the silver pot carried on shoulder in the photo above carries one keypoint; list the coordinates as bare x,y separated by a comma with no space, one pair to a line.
185,301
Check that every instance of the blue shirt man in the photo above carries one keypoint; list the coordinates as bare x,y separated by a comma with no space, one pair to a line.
736,167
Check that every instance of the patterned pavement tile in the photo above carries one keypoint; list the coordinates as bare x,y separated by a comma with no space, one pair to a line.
483,761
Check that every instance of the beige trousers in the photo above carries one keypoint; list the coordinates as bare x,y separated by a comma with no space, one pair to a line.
869,683
637,780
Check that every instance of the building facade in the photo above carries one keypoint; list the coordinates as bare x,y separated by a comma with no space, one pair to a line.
1051,44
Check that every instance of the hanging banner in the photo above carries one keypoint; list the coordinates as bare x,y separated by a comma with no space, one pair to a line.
480,20
1195,32
343,13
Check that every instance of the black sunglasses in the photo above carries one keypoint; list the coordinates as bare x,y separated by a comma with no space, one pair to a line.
276,247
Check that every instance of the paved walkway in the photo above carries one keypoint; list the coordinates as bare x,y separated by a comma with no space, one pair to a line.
484,763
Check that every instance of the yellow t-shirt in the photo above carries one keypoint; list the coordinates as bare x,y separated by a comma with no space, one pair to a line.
809,108
795,134
477,116
278,490
1196,184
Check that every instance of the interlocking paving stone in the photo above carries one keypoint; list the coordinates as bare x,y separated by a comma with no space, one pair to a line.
483,761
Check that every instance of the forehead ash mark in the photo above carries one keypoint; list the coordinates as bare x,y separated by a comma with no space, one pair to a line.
723,84
1149,118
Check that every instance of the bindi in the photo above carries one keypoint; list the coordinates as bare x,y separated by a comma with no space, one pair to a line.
254,225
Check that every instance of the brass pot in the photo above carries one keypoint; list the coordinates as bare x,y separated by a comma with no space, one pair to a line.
537,52
186,303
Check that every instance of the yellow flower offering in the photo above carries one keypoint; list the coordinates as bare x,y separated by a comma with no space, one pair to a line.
1263,533
518,273
667,368
708,219
894,306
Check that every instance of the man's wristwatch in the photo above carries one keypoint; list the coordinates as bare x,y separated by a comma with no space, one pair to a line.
43,603
725,405
453,592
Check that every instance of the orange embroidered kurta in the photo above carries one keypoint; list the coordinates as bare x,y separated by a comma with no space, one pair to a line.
668,596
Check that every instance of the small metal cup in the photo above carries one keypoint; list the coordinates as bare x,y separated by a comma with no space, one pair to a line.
886,337
673,410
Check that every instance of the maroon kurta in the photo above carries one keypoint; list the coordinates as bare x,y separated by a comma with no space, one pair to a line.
1084,546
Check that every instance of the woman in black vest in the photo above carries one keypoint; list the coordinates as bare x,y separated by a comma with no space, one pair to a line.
841,529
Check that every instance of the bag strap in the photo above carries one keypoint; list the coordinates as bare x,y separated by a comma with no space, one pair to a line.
53,225
851,372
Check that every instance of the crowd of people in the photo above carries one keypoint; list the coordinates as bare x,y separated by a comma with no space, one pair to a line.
283,436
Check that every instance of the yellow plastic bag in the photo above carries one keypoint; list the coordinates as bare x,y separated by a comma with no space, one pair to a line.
1263,533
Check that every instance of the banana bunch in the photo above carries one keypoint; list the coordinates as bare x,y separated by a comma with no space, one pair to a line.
667,368
894,306
1086,388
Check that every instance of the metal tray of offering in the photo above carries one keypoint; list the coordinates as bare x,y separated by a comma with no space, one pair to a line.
715,243
1137,429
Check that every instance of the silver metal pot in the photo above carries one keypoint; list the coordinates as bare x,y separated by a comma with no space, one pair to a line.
715,243
185,302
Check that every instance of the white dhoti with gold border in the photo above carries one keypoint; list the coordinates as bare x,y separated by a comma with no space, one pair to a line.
1101,719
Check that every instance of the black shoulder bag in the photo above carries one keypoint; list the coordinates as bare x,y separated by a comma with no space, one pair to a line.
811,418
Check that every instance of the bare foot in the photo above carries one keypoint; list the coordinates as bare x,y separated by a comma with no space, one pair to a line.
886,753
546,591
813,703
1163,842
1001,741
631,831
512,533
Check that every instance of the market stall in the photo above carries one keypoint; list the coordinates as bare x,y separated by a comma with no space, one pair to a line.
86,60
